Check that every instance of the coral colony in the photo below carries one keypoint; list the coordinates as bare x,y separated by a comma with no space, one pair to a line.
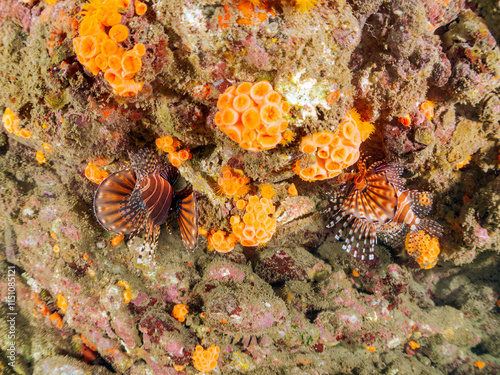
249,186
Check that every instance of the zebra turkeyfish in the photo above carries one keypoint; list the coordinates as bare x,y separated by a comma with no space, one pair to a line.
374,201
143,198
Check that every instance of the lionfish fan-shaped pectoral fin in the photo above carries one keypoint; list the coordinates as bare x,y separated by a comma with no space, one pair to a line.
421,202
170,173
431,227
187,216
116,206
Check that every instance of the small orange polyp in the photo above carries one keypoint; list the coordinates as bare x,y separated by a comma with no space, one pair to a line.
40,157
479,364
56,319
140,8
115,241
131,63
292,190
118,33
405,120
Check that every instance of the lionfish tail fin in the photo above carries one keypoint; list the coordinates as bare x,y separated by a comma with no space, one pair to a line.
431,227
421,202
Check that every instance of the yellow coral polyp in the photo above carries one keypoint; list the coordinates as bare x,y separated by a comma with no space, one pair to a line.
424,248
305,5
205,360
180,311
252,115
98,51
333,151
218,241
232,183
256,227
267,191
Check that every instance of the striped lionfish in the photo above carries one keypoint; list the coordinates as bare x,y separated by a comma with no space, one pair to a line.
143,197
375,201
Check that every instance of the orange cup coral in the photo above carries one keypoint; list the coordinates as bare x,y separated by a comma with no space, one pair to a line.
179,312
205,360
178,157
221,243
232,183
256,227
423,247
98,51
334,151
167,144
10,120
40,157
427,109
252,115
94,174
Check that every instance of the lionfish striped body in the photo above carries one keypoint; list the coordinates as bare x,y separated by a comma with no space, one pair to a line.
374,202
142,198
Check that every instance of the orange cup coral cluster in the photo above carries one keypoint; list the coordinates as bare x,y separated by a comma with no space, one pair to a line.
256,227
178,157
97,47
205,360
232,183
170,145
251,15
334,151
94,174
221,243
252,115
180,311
11,124
167,144
423,247
427,109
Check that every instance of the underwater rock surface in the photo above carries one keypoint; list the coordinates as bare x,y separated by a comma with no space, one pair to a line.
83,84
